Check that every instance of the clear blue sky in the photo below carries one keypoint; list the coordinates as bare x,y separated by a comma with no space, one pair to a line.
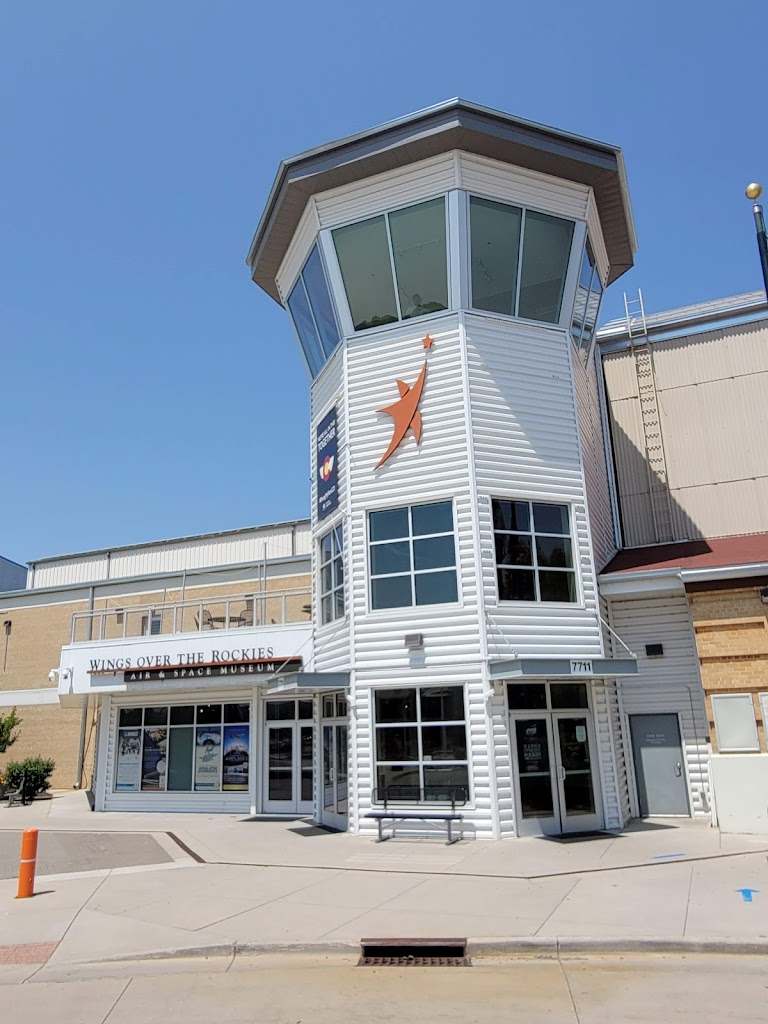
147,388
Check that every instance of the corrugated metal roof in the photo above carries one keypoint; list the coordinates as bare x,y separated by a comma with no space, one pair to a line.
453,124
715,553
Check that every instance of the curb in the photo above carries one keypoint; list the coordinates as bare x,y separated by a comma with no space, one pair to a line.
533,947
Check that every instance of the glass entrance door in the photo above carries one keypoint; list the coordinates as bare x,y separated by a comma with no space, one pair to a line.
334,796
555,771
288,754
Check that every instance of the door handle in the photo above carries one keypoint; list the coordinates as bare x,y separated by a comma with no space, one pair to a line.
678,769
561,773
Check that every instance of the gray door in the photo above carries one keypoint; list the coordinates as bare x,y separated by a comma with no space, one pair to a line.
659,764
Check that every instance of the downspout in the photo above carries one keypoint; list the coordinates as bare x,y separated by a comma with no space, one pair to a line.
84,714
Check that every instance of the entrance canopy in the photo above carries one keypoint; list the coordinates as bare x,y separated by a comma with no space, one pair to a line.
563,668
308,682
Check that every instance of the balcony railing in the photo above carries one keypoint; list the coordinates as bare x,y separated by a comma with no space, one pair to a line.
233,611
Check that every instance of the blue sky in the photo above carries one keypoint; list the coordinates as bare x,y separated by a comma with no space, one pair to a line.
148,388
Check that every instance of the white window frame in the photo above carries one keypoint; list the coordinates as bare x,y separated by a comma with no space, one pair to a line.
537,602
336,279
316,243
335,588
722,698
412,572
571,273
418,724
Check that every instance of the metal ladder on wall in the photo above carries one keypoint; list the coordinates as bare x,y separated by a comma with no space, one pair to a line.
656,465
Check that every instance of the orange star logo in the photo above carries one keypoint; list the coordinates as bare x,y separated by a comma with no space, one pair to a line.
405,410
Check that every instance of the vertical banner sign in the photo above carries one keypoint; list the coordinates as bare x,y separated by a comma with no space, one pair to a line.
235,757
326,461
128,771
154,763
208,758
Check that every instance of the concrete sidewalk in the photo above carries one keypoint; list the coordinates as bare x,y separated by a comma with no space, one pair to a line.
234,882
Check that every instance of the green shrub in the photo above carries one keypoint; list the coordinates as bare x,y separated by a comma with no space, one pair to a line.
37,771
7,724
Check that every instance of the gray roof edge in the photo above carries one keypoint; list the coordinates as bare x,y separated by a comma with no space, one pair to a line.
446,106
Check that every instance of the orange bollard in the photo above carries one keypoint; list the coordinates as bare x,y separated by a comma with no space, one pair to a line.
27,864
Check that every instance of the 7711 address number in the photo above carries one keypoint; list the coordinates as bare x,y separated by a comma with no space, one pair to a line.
581,668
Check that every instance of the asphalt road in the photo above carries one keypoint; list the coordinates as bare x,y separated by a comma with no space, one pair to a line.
287,989
65,852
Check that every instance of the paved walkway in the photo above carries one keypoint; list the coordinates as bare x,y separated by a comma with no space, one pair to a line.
234,882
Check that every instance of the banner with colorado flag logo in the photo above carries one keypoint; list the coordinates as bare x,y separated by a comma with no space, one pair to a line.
326,461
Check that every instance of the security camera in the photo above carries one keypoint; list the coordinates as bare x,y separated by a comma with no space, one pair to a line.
53,676
764,595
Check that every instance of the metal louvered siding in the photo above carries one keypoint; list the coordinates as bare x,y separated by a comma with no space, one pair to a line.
389,191
523,418
495,179
669,684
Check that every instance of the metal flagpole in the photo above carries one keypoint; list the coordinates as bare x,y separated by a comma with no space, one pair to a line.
753,192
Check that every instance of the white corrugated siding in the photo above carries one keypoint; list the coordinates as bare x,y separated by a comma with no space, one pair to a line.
298,250
496,179
526,445
172,803
387,191
593,454
670,684
243,547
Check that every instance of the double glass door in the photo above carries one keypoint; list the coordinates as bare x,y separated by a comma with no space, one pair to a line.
555,771
335,788
288,750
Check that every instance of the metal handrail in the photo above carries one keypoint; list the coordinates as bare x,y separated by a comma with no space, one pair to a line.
254,608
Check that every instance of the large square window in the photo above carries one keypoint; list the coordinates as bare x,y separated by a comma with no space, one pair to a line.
412,556
421,745
534,552
395,266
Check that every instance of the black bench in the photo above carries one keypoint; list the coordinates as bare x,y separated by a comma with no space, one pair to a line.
453,795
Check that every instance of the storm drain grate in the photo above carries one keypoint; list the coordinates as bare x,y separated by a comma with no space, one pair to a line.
414,953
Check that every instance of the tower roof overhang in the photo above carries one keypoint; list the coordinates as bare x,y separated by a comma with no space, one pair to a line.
454,124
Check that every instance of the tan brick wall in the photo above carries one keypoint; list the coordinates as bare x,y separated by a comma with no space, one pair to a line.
732,641
50,730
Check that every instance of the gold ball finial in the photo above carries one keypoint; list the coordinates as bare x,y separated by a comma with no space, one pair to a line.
753,190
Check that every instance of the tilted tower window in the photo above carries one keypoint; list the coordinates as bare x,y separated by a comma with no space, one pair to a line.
589,292
519,260
395,266
311,309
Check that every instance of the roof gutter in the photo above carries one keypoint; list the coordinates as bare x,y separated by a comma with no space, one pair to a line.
674,578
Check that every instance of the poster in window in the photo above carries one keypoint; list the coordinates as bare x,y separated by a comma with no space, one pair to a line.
326,461
155,760
128,769
235,757
208,758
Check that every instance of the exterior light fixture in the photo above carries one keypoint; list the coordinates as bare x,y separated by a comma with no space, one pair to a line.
414,641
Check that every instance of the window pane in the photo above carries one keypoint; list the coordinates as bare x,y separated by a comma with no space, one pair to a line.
208,714
389,558
155,716
434,518
444,742
582,294
546,248
568,695
305,709
398,782
554,551
320,301
557,586
326,605
237,713
389,524
298,307
436,588
421,267
398,743
391,592
338,572
339,604
326,579
513,549
180,749
280,710
130,716
447,782
495,244
527,696
511,515
183,716
442,704
363,252
325,548
433,553
551,519
395,706
516,585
